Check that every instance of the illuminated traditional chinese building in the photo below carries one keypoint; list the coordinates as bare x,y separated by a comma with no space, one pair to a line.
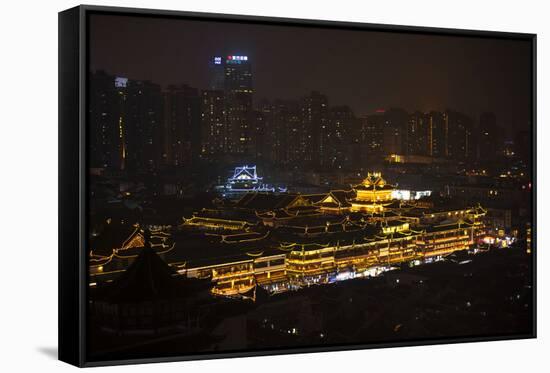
336,201
285,241
118,245
324,254
372,193
222,220
147,297
245,179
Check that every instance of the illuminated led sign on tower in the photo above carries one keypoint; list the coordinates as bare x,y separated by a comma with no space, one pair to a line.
121,82
236,59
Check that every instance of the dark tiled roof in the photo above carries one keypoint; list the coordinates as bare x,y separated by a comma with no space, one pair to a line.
314,240
303,210
343,196
111,237
385,214
229,214
148,278
314,221
330,204
259,201
205,249
313,198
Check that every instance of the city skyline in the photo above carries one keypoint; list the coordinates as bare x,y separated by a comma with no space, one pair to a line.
380,191
366,72
181,124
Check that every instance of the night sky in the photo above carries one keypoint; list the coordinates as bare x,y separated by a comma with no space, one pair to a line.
363,69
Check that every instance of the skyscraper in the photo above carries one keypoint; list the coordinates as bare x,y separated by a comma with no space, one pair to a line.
522,145
214,133
182,124
230,84
343,126
107,95
438,135
238,103
372,134
460,129
265,135
290,136
417,134
489,137
395,125
258,136
141,125
126,122
314,112
217,74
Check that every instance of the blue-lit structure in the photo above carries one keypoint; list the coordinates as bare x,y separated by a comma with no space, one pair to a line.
245,179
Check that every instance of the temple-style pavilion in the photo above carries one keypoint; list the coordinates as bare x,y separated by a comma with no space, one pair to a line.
372,194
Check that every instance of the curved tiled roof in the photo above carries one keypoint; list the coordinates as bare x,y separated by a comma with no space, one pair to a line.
148,278
373,181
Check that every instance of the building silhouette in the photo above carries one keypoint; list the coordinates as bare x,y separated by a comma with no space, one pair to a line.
343,129
142,125
126,123
489,137
182,125
316,131
372,134
417,134
438,135
395,125
292,137
238,103
214,132
227,117
460,144
106,110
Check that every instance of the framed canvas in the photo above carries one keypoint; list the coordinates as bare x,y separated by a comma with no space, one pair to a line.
240,186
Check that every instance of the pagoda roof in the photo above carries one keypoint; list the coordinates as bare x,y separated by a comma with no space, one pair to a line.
302,210
343,195
373,187
112,237
245,173
197,250
228,214
277,214
336,199
314,198
264,201
148,278
373,181
316,240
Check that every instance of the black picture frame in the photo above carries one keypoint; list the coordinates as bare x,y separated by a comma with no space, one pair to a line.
73,178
